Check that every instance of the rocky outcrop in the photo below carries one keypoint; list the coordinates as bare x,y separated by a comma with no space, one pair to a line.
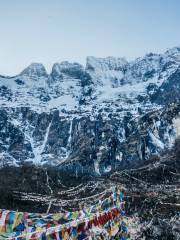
169,91
92,145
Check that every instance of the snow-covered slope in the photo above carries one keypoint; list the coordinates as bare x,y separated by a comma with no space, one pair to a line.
107,79
116,78
90,115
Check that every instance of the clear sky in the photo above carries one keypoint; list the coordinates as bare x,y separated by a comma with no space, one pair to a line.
50,31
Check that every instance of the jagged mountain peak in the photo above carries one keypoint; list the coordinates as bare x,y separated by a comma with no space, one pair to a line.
60,67
34,71
173,51
103,79
65,68
67,64
108,63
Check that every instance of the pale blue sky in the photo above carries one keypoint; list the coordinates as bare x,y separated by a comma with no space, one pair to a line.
49,31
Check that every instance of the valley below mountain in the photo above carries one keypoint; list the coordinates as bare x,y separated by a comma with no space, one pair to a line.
152,193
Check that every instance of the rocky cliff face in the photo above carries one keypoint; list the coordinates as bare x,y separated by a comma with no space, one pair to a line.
112,114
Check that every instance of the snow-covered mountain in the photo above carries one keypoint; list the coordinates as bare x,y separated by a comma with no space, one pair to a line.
110,114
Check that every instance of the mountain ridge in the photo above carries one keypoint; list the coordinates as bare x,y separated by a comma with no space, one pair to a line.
89,119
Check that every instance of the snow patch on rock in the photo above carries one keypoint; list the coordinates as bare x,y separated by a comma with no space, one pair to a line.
176,123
